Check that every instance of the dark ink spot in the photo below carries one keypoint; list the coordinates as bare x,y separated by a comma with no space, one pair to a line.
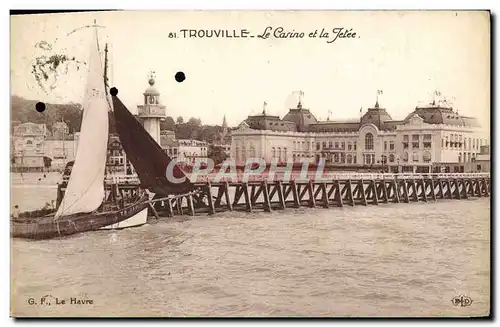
180,77
113,91
40,107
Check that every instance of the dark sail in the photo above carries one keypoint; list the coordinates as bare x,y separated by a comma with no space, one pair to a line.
147,157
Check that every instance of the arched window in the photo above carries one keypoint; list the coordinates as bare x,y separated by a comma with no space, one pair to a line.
391,158
354,159
349,158
369,141
427,156
405,156
415,157
29,142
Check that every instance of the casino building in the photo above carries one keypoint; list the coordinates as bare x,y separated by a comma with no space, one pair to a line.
432,138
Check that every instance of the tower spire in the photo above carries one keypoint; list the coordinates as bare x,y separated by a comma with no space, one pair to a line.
301,94
379,92
224,123
151,78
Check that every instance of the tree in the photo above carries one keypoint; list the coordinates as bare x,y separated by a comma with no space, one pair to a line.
168,124
194,121
180,120
217,154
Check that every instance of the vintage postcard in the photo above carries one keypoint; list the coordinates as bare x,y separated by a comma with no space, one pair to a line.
250,164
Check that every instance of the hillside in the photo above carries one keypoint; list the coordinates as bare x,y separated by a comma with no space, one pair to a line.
23,111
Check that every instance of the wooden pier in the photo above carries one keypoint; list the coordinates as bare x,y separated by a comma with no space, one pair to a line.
347,189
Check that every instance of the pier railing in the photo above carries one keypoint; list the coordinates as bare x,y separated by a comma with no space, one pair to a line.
280,176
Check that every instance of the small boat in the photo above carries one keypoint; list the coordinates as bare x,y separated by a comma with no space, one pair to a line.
86,205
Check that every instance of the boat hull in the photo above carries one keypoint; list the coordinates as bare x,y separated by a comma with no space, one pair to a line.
46,227
136,220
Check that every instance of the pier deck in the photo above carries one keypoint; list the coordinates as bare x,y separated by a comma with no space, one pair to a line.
258,193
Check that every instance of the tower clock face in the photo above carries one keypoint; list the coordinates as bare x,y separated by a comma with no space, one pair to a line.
151,100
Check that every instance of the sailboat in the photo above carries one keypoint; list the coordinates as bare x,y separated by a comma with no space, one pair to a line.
85,205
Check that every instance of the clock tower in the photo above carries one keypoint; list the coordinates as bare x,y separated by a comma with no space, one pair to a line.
151,112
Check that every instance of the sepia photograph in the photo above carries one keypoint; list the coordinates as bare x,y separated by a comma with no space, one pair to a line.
272,164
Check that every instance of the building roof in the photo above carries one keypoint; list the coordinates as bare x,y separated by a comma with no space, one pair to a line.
30,129
379,117
301,117
442,114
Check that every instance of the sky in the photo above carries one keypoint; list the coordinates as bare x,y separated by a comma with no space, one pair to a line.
407,55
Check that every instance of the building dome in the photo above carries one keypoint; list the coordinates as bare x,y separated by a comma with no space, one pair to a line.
377,116
301,117
151,90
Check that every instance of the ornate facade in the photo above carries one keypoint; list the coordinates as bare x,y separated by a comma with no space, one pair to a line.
431,138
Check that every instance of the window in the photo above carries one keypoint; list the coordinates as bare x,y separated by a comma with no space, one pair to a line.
415,138
427,156
405,157
391,145
324,145
368,159
354,159
29,142
330,144
349,146
284,153
317,145
427,145
342,157
385,145
415,157
427,137
336,157
406,138
391,158
349,158
336,145
274,152
369,141
354,148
